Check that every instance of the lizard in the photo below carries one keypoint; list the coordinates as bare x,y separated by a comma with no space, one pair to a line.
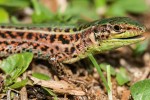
68,44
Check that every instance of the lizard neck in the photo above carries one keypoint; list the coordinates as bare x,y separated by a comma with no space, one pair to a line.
85,43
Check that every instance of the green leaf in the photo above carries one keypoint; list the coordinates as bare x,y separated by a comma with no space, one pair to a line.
100,3
135,6
51,93
41,76
141,90
82,8
122,76
115,10
15,65
14,20
36,6
4,16
19,84
41,14
141,47
122,7
15,3
103,67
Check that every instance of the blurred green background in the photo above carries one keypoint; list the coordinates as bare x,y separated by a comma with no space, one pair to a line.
67,11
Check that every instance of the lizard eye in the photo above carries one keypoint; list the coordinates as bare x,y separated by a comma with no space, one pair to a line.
117,28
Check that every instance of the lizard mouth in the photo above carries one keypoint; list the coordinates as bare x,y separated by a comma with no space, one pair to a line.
134,37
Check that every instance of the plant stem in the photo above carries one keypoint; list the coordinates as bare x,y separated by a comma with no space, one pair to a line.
99,71
109,82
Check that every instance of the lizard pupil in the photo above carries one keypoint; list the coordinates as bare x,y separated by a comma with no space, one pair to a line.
117,28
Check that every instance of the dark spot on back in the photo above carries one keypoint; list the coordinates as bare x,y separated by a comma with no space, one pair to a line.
85,26
18,51
3,35
95,30
20,43
49,29
5,42
35,54
55,29
2,49
102,36
63,40
66,50
71,37
12,42
44,48
104,25
74,56
23,49
43,36
35,47
103,30
57,48
74,29
59,57
128,28
29,36
67,30
29,50
59,30
80,28
10,34
52,38
78,45
52,51
21,34
2,26
72,49
108,31
107,37
10,51
20,27
77,36
7,50
36,38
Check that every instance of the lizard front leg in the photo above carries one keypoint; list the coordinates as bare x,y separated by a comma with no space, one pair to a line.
59,68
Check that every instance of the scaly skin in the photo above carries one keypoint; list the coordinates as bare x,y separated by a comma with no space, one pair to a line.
54,44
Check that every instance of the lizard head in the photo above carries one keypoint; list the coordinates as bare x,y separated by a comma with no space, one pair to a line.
115,32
